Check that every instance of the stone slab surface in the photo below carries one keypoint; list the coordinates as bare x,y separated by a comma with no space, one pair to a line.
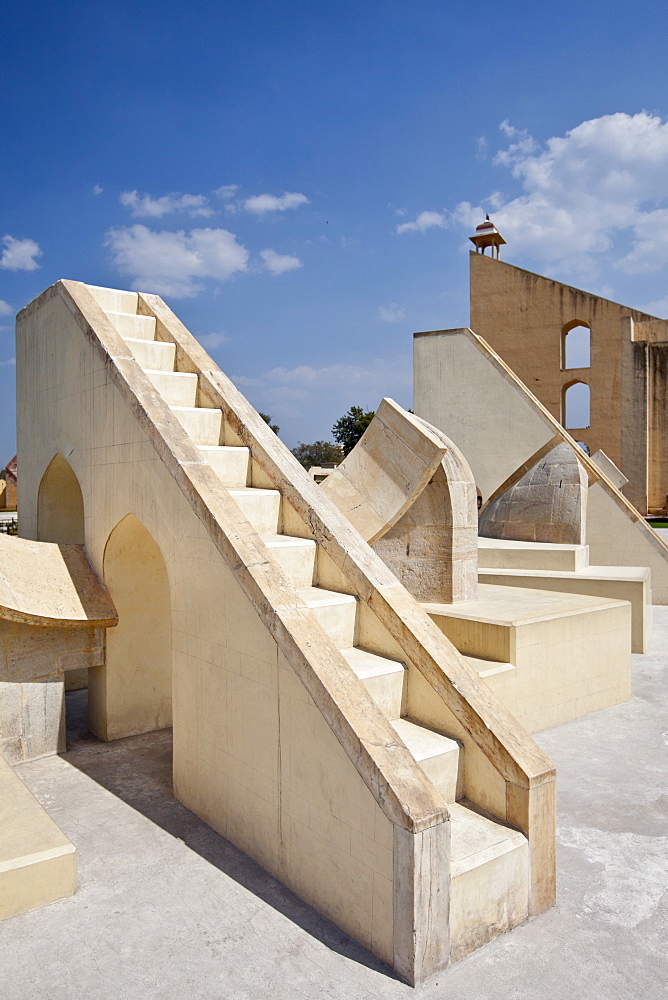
166,908
515,606
623,583
37,861
43,583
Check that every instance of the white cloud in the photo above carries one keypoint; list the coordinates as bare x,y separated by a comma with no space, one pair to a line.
260,204
481,148
97,189
424,221
658,308
169,262
598,192
145,207
391,314
328,391
226,191
9,361
213,339
5,308
19,255
279,263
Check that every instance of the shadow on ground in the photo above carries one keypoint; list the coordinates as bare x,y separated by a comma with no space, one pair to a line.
138,770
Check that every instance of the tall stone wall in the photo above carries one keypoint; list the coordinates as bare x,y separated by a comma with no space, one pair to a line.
524,316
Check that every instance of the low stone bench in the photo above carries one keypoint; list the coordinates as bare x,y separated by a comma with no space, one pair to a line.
38,864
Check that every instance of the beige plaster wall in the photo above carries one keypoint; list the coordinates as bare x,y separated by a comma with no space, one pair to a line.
456,389
132,692
262,767
60,513
523,316
614,538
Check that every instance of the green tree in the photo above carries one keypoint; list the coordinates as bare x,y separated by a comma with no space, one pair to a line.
349,428
267,419
318,453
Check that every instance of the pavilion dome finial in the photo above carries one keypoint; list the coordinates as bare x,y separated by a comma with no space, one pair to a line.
487,235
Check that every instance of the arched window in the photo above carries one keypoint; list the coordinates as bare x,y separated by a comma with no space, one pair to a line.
576,405
576,345
60,509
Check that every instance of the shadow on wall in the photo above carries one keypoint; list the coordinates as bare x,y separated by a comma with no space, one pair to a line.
60,509
138,771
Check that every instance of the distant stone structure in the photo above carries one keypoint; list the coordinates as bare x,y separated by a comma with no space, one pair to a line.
530,320
9,486
319,473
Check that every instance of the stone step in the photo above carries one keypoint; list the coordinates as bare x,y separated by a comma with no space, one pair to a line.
229,462
571,652
507,623
502,553
489,877
488,668
135,327
203,425
384,679
154,354
114,300
38,864
176,388
261,507
440,757
295,556
619,583
336,613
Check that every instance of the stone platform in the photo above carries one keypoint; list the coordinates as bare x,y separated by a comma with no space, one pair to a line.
38,863
566,568
550,657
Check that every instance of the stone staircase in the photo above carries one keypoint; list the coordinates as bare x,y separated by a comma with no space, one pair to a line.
489,876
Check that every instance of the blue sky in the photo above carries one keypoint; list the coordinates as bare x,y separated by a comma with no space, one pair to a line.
298,180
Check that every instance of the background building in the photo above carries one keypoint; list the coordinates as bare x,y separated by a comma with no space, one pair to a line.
599,367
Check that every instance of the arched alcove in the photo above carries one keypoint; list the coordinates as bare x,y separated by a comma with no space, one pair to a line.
576,345
60,508
132,692
576,405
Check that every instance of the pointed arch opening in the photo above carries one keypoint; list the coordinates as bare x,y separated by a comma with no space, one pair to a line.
576,406
60,506
132,692
576,345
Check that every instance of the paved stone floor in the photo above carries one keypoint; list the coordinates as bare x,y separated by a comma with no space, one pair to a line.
166,909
